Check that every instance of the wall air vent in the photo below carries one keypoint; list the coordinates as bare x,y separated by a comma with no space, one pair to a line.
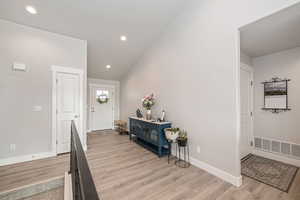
285,148
258,143
275,146
279,147
266,144
296,150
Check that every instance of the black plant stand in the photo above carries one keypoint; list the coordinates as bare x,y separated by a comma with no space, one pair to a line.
185,161
170,144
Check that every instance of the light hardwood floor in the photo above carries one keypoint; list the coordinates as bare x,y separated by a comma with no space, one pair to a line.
124,170
55,194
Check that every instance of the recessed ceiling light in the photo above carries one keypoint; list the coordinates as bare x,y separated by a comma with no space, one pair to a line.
123,38
31,10
108,66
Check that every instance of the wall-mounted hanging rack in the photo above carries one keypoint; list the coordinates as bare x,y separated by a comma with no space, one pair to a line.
276,95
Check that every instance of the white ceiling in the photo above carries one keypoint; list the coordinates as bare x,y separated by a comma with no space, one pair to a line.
275,33
101,23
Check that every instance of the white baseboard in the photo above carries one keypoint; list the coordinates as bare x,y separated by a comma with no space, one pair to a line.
25,158
236,181
277,157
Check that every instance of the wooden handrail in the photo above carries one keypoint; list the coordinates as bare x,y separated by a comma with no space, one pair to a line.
83,185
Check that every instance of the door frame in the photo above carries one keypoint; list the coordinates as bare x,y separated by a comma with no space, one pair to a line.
68,70
251,71
91,86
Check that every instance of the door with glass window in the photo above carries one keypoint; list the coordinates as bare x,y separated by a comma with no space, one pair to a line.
102,108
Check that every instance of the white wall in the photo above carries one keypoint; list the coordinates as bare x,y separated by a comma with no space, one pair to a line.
116,84
246,59
20,91
284,126
193,70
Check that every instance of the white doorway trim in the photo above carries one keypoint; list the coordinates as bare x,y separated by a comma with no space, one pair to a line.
251,71
55,70
237,71
91,86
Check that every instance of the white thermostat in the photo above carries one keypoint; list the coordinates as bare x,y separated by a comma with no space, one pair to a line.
19,67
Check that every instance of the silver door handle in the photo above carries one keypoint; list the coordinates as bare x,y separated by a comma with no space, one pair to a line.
76,116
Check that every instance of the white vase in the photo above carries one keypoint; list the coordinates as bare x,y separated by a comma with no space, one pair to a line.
148,114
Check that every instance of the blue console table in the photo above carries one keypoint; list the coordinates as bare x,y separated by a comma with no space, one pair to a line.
150,134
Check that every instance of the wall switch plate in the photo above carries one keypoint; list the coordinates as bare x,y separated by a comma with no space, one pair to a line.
12,147
19,66
198,149
37,108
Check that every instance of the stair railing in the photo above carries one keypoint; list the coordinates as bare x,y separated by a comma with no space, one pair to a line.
83,186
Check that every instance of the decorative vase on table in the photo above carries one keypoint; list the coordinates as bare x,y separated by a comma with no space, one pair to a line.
148,102
148,114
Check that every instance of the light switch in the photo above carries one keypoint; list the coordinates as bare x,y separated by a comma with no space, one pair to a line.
37,108
12,147
19,66
198,149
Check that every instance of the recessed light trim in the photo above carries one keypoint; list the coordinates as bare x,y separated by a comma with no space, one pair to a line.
31,10
123,38
108,66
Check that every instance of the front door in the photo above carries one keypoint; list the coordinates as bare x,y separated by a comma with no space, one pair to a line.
102,100
246,110
68,108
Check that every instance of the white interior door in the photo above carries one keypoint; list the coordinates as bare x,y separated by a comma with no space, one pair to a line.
102,113
68,108
246,110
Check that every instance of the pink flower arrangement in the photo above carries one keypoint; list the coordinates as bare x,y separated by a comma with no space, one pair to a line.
148,101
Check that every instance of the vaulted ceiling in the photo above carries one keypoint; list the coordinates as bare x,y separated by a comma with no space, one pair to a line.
101,23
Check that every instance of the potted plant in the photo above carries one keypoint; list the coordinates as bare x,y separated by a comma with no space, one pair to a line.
182,138
172,133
